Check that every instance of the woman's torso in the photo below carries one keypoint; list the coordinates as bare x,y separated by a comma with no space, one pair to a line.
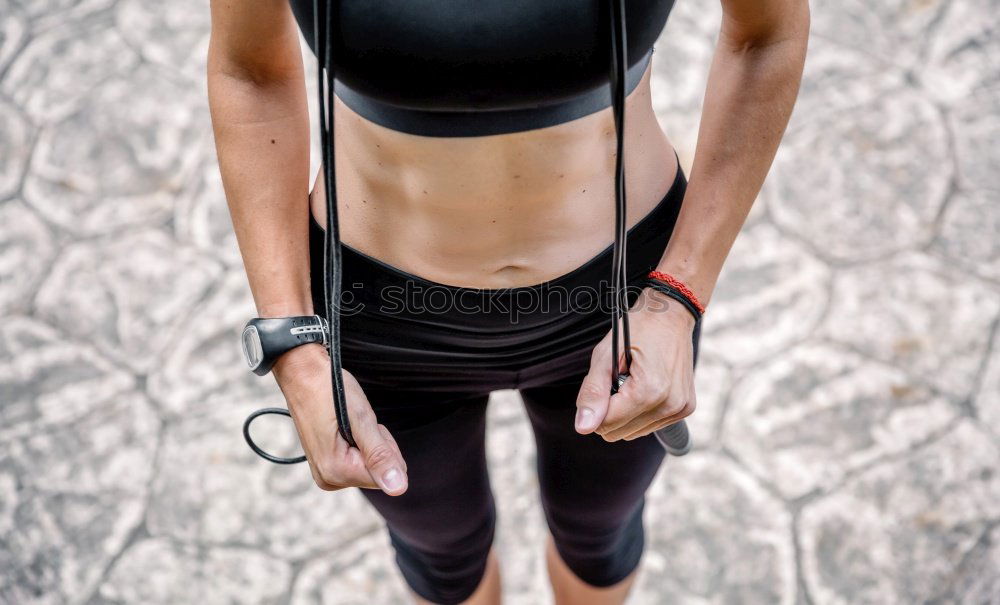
501,210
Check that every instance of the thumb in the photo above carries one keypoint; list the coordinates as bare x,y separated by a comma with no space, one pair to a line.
381,456
595,395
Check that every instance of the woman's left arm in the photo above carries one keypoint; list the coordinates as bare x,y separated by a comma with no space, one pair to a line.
752,85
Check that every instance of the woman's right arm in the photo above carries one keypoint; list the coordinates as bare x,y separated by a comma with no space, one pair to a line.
256,94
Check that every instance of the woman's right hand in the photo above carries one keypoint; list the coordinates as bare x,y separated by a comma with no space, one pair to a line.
304,377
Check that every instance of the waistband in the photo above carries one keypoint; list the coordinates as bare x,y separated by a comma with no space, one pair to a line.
371,286
483,122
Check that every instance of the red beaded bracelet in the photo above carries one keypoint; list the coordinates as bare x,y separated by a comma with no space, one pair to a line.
679,286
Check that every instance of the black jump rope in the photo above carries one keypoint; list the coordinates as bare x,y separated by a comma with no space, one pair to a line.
674,438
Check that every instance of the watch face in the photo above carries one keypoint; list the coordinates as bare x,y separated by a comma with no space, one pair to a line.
252,350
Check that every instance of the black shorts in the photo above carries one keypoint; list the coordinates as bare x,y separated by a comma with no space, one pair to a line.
427,356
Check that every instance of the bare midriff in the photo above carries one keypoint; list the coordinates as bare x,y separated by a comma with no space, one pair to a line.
497,211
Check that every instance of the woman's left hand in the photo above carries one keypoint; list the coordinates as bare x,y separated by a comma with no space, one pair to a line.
660,387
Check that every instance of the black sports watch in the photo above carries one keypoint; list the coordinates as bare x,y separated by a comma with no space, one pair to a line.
265,339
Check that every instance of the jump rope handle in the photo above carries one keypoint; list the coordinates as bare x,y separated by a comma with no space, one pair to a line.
676,438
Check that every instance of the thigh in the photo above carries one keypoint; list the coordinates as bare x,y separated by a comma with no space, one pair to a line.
443,445
593,491
583,478
442,527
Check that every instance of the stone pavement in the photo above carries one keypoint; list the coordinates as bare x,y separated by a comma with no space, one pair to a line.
848,431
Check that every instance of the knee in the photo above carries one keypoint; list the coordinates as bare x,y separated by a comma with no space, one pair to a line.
448,567
600,552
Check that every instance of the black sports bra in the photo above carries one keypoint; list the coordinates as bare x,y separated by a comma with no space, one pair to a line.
479,67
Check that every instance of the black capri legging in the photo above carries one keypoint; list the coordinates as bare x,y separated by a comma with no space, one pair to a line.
427,356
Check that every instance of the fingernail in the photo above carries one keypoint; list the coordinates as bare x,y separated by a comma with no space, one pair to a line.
584,418
392,479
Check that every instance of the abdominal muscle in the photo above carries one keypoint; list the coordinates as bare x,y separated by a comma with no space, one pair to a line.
496,211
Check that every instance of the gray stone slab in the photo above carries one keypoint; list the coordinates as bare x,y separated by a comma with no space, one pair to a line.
771,294
976,124
817,413
840,79
171,34
976,580
962,53
16,135
892,31
850,185
129,175
61,65
205,358
201,216
713,383
50,380
131,296
46,14
521,530
160,571
918,314
986,400
688,558
78,443
354,573
26,251
910,530
14,31
969,232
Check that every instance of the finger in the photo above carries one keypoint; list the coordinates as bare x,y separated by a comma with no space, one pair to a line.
639,422
684,412
652,422
644,424
379,454
343,467
595,391
671,399
652,428
625,406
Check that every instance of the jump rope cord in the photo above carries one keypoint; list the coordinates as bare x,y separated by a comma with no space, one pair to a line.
619,279
675,438
331,237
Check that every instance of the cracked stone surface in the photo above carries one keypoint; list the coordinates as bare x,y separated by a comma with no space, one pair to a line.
128,294
848,425
818,412
79,445
719,536
911,306
873,196
25,255
772,294
924,519
161,571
